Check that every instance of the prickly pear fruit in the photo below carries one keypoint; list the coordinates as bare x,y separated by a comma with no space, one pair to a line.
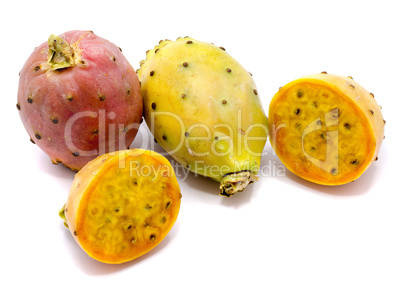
325,128
203,108
79,97
123,204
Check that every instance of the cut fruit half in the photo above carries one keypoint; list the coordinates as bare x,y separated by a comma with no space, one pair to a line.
325,128
123,204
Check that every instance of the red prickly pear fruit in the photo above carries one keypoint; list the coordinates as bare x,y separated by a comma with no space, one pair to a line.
79,97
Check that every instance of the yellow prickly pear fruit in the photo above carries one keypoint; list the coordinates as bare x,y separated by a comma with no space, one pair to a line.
203,108
123,204
325,128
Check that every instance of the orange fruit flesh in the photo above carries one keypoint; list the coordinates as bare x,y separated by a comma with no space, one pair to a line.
126,211
320,134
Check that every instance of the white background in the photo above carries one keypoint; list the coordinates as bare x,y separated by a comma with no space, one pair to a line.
281,230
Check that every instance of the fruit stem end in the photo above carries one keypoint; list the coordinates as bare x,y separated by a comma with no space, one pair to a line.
60,54
235,182
62,215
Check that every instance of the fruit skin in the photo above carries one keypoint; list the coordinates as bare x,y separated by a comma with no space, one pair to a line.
203,108
81,101
362,107
139,195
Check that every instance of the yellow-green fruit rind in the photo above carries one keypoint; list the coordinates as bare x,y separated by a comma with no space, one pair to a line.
325,128
203,108
122,204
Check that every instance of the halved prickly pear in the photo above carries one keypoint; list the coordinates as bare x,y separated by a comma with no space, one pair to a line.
123,204
79,97
203,107
325,128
